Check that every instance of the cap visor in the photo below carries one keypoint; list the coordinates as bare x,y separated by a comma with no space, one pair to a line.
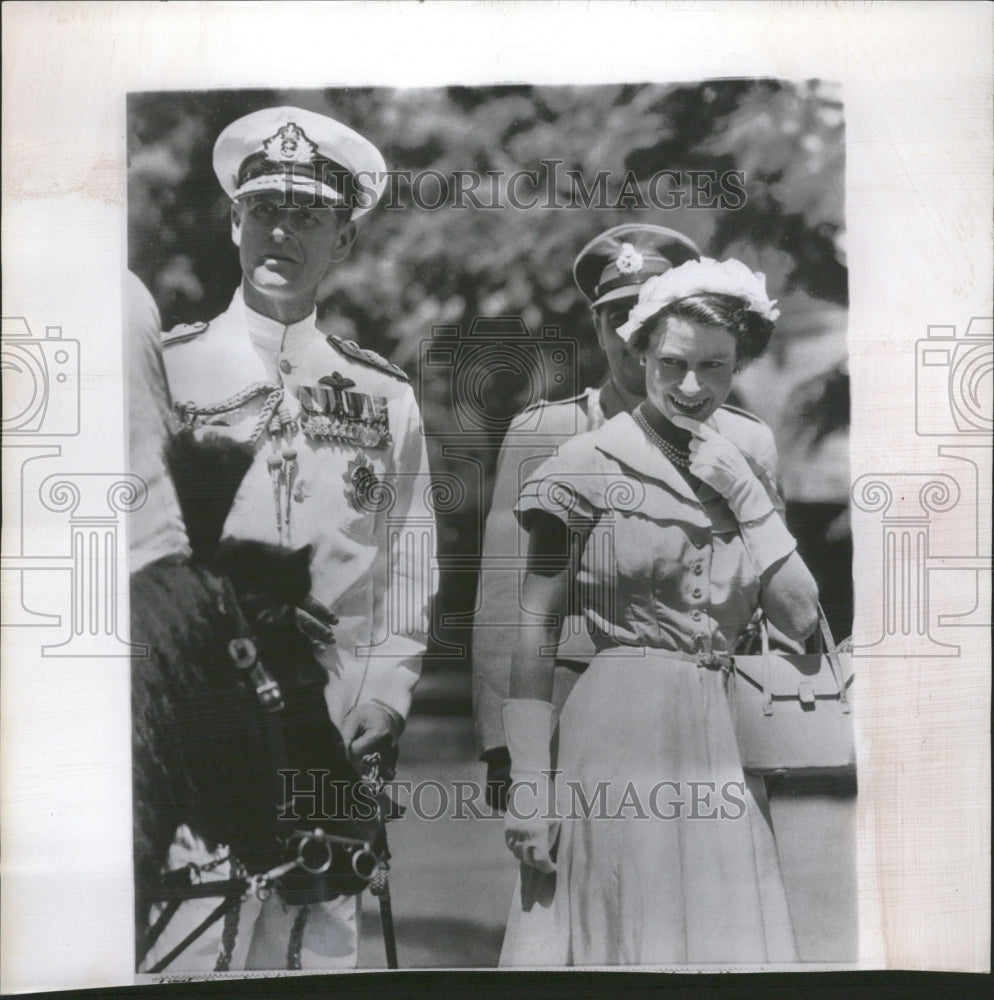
304,192
626,292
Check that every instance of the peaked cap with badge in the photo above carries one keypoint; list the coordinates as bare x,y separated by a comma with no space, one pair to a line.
340,465
613,266
618,262
305,155
336,427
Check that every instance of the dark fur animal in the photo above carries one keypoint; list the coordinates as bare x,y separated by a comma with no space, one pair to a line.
201,749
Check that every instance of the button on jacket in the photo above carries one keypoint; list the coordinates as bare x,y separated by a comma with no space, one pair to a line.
662,566
340,465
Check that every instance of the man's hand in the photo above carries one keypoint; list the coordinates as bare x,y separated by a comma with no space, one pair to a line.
498,761
368,728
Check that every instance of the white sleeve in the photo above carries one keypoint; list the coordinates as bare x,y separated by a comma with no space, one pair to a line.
404,571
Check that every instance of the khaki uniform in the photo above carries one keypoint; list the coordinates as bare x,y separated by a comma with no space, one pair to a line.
533,436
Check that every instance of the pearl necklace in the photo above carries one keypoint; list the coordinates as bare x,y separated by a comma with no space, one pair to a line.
671,451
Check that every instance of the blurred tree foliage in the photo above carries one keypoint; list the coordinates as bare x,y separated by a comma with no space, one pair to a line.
415,268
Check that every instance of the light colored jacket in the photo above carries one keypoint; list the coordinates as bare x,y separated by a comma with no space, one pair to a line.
341,465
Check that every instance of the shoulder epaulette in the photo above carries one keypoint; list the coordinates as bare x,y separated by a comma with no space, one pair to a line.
183,332
352,350
741,413
579,398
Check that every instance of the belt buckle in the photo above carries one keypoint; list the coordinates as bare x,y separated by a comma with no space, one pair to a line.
711,660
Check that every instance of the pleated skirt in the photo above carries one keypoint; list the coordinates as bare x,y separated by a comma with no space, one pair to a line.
666,854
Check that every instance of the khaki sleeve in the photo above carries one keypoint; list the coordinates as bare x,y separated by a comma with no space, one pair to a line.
517,487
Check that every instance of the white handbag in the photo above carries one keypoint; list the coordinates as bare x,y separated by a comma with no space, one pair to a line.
793,712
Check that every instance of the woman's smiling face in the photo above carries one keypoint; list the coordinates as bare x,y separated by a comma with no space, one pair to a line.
689,368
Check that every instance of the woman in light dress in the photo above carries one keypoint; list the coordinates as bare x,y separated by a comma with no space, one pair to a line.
647,845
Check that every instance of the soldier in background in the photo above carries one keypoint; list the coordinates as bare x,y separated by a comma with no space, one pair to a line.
609,271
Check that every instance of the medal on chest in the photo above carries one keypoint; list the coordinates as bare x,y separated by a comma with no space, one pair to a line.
333,411
364,490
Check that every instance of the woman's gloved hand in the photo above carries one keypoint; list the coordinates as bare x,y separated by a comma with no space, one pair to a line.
529,829
721,464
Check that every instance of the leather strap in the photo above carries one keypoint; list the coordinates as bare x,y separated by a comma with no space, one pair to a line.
833,659
828,649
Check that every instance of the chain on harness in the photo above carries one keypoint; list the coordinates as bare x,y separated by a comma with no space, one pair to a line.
321,863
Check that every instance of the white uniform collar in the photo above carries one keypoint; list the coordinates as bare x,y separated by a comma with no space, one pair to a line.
595,411
266,333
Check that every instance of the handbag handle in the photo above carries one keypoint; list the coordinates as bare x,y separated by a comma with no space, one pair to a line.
829,649
832,652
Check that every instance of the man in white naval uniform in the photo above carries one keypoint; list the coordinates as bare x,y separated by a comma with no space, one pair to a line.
340,465
609,271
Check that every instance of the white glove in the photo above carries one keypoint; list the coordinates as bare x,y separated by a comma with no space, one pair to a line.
721,464
528,832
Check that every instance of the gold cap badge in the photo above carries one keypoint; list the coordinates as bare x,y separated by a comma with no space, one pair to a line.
290,145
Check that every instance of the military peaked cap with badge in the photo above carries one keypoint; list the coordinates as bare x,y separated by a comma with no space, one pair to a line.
336,428
340,467
618,262
309,157
612,266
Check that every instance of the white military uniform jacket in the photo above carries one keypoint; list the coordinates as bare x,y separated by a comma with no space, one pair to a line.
533,436
341,466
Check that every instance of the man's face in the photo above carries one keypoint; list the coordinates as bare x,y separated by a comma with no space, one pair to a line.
285,250
625,368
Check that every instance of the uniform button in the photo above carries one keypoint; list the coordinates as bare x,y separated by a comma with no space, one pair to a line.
698,638
698,569
698,592
696,615
286,367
